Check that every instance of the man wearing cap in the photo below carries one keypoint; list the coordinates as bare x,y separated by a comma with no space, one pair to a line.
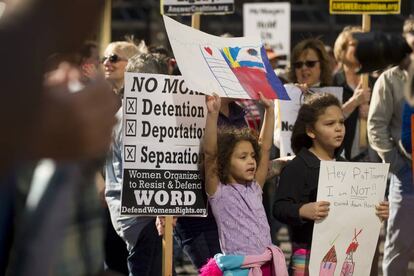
384,133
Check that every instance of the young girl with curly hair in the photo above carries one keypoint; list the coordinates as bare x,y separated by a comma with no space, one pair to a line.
236,165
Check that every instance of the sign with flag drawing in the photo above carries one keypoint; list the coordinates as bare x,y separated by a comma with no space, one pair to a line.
230,67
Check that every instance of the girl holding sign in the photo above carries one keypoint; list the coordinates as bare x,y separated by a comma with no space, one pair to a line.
235,171
317,135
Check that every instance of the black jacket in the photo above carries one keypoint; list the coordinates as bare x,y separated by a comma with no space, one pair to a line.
350,122
298,185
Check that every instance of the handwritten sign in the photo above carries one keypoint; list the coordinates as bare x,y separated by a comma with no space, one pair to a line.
270,21
344,242
235,67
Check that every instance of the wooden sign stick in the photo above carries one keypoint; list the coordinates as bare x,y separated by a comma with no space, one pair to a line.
167,240
167,247
195,21
366,27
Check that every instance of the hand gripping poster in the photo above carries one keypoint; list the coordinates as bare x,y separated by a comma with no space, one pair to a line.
163,124
343,244
230,67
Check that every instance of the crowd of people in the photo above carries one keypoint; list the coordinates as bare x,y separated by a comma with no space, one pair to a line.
61,166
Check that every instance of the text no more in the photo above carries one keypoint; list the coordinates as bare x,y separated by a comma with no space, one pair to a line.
171,86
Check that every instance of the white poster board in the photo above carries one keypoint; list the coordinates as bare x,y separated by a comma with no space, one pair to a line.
344,242
271,22
163,122
286,113
230,67
190,7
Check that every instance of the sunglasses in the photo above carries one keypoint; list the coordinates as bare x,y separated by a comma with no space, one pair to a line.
307,63
112,58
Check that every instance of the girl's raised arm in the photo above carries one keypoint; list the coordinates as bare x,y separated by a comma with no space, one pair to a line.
265,140
210,144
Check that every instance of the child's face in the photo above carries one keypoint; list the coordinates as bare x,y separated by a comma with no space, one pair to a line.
329,130
242,163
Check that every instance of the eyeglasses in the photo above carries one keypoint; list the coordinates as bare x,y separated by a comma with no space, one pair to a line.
114,58
307,63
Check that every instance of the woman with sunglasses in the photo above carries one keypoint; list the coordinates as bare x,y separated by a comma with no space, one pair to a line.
115,59
310,65
114,62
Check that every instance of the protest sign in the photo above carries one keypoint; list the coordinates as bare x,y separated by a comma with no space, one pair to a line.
271,23
344,242
163,124
364,7
286,113
190,7
229,67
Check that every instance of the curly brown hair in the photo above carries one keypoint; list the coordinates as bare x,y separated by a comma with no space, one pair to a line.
308,114
227,139
324,59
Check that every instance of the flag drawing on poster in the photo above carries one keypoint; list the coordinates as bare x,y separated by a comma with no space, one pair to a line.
230,67
328,264
249,67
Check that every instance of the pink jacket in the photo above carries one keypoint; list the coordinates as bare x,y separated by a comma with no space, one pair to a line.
250,262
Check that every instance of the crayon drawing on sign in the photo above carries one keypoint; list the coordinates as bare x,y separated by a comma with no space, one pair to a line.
243,69
348,266
329,261
328,264
235,67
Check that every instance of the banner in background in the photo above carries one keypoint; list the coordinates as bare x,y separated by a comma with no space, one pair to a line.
365,7
271,23
190,7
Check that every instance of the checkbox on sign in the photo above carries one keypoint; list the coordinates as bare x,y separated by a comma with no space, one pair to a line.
131,127
131,105
129,153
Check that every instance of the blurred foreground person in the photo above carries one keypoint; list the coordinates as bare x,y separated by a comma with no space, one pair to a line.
32,112
45,119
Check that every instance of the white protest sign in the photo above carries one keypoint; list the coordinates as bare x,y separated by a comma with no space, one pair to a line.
286,113
344,242
163,123
189,7
229,67
271,22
